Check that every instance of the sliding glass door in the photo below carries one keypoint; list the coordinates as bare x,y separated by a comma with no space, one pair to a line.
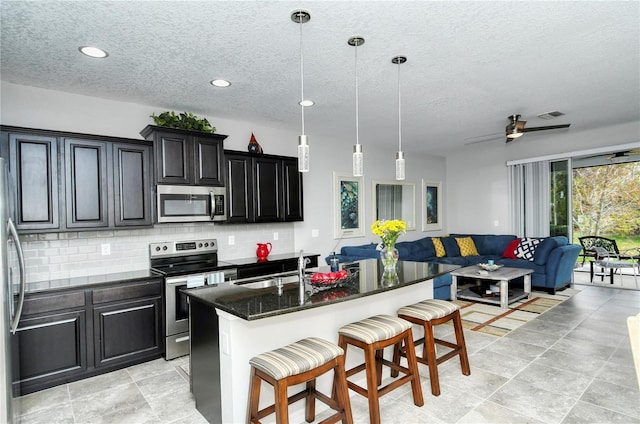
560,199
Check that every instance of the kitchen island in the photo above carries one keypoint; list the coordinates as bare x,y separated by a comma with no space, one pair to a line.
229,324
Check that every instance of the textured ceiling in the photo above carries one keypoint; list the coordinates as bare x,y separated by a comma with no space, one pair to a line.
470,64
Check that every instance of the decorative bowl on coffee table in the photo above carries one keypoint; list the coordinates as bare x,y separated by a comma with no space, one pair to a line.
490,267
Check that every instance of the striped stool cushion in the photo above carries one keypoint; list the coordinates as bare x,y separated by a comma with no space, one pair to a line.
376,328
296,358
429,309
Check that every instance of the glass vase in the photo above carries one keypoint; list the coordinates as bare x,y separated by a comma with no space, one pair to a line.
389,257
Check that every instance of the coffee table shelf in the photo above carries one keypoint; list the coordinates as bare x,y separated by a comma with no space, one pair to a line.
502,276
514,296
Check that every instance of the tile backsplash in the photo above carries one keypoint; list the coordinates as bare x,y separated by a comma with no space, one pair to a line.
53,256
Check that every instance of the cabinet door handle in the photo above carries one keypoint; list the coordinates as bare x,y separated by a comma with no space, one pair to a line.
182,339
48,324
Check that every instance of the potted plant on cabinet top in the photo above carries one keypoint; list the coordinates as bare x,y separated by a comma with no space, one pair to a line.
183,120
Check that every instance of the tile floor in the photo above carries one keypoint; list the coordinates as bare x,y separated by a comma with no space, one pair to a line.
572,364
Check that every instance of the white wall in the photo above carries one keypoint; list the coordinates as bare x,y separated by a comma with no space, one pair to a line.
34,107
477,191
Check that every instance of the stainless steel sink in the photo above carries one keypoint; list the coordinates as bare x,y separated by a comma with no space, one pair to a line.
270,281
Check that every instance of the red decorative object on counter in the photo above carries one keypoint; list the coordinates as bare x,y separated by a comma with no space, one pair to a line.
263,251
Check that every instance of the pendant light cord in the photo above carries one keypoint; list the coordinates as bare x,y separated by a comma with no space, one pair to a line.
301,77
357,102
399,113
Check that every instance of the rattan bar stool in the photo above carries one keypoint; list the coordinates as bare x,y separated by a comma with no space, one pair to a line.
297,363
428,314
373,335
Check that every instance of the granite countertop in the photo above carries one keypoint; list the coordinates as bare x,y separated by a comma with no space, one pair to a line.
257,303
270,258
81,282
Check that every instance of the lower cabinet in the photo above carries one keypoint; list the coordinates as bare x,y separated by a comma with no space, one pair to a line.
69,335
50,348
127,331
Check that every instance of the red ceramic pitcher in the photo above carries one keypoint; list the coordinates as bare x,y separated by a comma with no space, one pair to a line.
263,251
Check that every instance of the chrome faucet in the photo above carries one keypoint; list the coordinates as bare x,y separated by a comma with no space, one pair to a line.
302,263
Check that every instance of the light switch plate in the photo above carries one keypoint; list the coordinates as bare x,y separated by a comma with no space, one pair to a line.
232,240
275,235
315,233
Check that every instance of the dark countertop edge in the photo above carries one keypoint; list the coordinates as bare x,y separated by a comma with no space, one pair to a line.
280,257
194,295
76,283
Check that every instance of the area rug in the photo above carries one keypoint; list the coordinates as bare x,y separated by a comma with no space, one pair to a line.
493,320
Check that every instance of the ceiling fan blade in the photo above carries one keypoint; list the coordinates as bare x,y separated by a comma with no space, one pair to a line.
520,125
484,138
549,127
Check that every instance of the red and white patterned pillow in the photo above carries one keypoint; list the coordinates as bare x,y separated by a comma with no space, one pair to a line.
527,248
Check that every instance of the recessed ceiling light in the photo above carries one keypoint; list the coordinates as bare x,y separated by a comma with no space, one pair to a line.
93,52
306,103
220,83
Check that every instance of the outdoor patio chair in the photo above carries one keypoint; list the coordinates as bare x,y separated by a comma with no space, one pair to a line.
589,242
612,261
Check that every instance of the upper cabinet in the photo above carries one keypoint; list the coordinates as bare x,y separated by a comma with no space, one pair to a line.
186,157
263,188
33,161
69,182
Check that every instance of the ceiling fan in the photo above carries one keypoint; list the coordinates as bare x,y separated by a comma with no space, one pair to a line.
516,128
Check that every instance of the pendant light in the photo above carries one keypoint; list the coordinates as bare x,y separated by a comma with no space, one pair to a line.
358,159
301,17
399,60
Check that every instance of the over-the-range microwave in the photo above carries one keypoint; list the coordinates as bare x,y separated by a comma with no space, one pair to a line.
191,203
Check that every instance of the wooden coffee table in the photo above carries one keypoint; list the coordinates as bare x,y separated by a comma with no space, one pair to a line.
503,276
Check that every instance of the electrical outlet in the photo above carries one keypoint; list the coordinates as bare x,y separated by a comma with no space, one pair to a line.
106,249
224,342
232,240
275,235
496,223
315,233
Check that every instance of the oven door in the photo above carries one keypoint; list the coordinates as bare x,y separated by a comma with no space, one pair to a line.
177,306
191,203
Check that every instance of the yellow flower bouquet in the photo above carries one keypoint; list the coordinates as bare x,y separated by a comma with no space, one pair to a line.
389,231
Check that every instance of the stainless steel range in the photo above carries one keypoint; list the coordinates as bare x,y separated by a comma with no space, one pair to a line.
185,264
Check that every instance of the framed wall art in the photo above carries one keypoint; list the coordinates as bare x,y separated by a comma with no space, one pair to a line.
431,205
348,194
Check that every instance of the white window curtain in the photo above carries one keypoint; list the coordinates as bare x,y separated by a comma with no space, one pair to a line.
529,204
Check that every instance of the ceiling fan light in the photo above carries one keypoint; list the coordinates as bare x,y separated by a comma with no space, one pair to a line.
514,134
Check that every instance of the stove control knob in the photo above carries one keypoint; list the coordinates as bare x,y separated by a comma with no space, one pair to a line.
199,244
164,247
157,248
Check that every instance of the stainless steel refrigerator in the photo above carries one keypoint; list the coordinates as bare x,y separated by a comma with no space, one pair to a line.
11,294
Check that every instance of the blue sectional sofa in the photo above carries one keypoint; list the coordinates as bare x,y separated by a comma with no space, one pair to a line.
553,259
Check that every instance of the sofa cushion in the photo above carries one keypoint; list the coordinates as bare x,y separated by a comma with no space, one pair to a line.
543,250
526,248
467,246
439,247
493,244
510,250
364,251
450,246
428,250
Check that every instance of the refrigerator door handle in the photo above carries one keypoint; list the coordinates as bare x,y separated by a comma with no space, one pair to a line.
18,312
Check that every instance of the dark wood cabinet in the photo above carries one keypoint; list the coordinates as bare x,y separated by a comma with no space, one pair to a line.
86,183
132,182
72,182
68,335
129,327
186,157
267,190
33,161
292,207
264,188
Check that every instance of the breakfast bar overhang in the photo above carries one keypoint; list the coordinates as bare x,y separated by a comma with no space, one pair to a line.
229,324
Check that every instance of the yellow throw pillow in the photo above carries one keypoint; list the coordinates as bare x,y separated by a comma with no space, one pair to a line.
467,246
437,243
